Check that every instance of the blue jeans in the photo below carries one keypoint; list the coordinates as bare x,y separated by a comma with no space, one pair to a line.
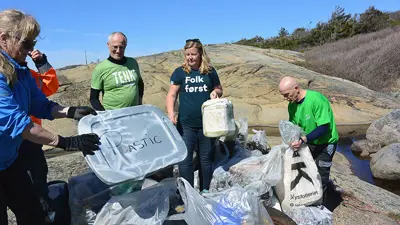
195,139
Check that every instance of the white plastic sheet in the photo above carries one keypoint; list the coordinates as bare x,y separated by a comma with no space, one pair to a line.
135,141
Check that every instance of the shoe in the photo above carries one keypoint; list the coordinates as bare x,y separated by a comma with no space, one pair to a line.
204,192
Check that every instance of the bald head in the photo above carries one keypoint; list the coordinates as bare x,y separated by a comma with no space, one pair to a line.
287,83
290,89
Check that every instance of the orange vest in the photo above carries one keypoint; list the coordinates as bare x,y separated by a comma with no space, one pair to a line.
48,83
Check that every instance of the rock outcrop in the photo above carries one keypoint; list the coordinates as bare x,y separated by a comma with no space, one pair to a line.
363,203
385,130
365,147
385,164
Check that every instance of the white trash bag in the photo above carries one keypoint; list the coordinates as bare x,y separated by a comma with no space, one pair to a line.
301,184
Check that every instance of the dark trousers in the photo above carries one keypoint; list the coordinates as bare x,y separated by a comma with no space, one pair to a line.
18,193
32,156
323,155
195,139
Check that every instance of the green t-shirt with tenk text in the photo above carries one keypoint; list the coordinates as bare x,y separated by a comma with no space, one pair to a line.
118,82
314,111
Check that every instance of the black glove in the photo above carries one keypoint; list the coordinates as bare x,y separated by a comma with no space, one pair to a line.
40,62
78,112
87,143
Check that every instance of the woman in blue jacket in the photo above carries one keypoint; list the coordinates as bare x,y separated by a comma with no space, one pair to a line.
19,98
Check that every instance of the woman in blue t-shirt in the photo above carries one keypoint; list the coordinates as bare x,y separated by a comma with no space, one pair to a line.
196,81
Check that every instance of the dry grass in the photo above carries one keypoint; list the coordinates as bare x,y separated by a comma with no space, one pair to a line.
372,60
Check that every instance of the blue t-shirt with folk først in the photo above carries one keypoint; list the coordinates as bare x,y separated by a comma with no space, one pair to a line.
194,90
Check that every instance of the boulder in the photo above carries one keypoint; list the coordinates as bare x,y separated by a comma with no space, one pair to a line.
366,147
385,164
385,130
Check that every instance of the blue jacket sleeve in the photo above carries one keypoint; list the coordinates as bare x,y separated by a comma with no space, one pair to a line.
13,119
317,132
40,105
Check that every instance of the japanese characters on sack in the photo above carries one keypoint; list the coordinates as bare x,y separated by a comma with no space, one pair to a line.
232,207
301,182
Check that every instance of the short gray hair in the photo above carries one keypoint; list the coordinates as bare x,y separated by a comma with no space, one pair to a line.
117,32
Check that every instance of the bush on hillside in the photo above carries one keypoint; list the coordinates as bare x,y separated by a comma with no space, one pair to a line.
370,59
341,25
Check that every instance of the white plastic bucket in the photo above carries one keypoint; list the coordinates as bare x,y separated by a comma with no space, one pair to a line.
218,118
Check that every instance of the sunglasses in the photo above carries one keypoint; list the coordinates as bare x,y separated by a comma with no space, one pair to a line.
28,44
194,40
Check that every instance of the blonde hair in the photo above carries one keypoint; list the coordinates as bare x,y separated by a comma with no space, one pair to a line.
205,66
19,27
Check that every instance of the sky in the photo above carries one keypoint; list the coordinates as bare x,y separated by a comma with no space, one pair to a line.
69,28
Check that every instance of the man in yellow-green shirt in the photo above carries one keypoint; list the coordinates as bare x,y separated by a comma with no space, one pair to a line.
117,77
312,111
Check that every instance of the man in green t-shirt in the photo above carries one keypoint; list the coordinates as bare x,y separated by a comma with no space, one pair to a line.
117,77
312,111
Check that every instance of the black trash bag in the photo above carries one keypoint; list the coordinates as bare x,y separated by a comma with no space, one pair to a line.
57,210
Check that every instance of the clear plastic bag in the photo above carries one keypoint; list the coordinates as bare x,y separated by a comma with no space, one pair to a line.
290,132
234,206
146,207
255,174
243,132
220,180
313,215
88,193
258,174
259,142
